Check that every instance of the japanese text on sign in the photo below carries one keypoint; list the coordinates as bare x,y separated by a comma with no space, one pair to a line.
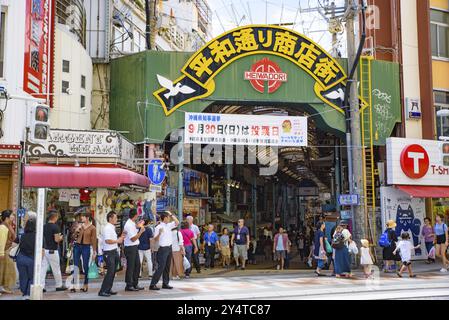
206,63
228,129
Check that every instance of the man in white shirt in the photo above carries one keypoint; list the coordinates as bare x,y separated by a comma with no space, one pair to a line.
197,233
163,234
132,232
110,254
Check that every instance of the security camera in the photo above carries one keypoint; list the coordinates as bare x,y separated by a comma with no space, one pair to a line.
68,91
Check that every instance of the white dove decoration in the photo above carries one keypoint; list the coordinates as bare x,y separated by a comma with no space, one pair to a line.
335,95
174,90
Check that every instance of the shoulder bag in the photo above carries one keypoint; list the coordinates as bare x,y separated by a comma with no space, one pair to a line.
14,252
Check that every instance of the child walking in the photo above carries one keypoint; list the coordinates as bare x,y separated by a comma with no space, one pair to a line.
366,258
405,250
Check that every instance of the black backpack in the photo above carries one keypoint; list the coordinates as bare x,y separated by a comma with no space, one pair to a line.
338,241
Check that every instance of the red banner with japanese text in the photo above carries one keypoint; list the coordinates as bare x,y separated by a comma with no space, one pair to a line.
39,49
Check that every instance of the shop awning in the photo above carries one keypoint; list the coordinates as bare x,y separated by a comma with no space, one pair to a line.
425,192
81,177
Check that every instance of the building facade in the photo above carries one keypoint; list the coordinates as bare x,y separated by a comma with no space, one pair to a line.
117,28
415,34
439,29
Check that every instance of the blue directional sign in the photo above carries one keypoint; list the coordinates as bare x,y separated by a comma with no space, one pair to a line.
348,199
156,174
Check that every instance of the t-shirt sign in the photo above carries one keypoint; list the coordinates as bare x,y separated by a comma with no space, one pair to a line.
240,235
50,229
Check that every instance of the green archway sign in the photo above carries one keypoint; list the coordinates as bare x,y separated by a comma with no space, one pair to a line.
198,73
251,66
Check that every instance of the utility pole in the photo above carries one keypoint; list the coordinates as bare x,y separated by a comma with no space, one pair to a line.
334,32
180,176
356,180
150,24
36,287
147,24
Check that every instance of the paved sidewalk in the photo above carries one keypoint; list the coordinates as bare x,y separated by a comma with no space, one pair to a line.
254,282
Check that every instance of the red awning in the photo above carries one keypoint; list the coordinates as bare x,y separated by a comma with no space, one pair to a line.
80,177
425,192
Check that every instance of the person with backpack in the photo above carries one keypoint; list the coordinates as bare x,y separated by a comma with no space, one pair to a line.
388,242
340,243
441,241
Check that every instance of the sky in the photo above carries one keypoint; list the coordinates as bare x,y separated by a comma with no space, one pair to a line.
228,14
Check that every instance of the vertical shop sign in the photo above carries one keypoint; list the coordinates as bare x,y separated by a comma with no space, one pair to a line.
39,49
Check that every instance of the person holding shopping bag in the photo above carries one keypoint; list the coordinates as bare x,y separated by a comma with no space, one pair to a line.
319,251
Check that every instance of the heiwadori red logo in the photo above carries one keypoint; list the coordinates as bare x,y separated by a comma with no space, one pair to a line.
415,161
263,71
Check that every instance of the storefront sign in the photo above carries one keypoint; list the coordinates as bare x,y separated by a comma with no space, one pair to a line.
348,199
345,214
85,144
167,202
407,212
10,151
200,70
39,53
155,188
308,191
75,200
417,162
171,192
64,195
264,72
195,183
230,129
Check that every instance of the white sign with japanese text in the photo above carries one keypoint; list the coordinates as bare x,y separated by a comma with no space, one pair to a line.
238,129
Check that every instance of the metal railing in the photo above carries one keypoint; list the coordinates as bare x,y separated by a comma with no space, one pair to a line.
72,14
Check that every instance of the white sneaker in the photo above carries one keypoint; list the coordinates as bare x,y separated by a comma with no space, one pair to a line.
443,270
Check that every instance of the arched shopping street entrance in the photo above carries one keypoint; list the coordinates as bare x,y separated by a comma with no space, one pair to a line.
255,70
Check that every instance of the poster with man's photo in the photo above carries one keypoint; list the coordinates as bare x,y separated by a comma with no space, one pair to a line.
408,213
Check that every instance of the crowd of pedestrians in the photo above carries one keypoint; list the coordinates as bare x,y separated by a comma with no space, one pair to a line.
171,249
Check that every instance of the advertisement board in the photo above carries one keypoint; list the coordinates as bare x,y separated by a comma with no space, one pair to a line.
233,129
407,212
195,183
